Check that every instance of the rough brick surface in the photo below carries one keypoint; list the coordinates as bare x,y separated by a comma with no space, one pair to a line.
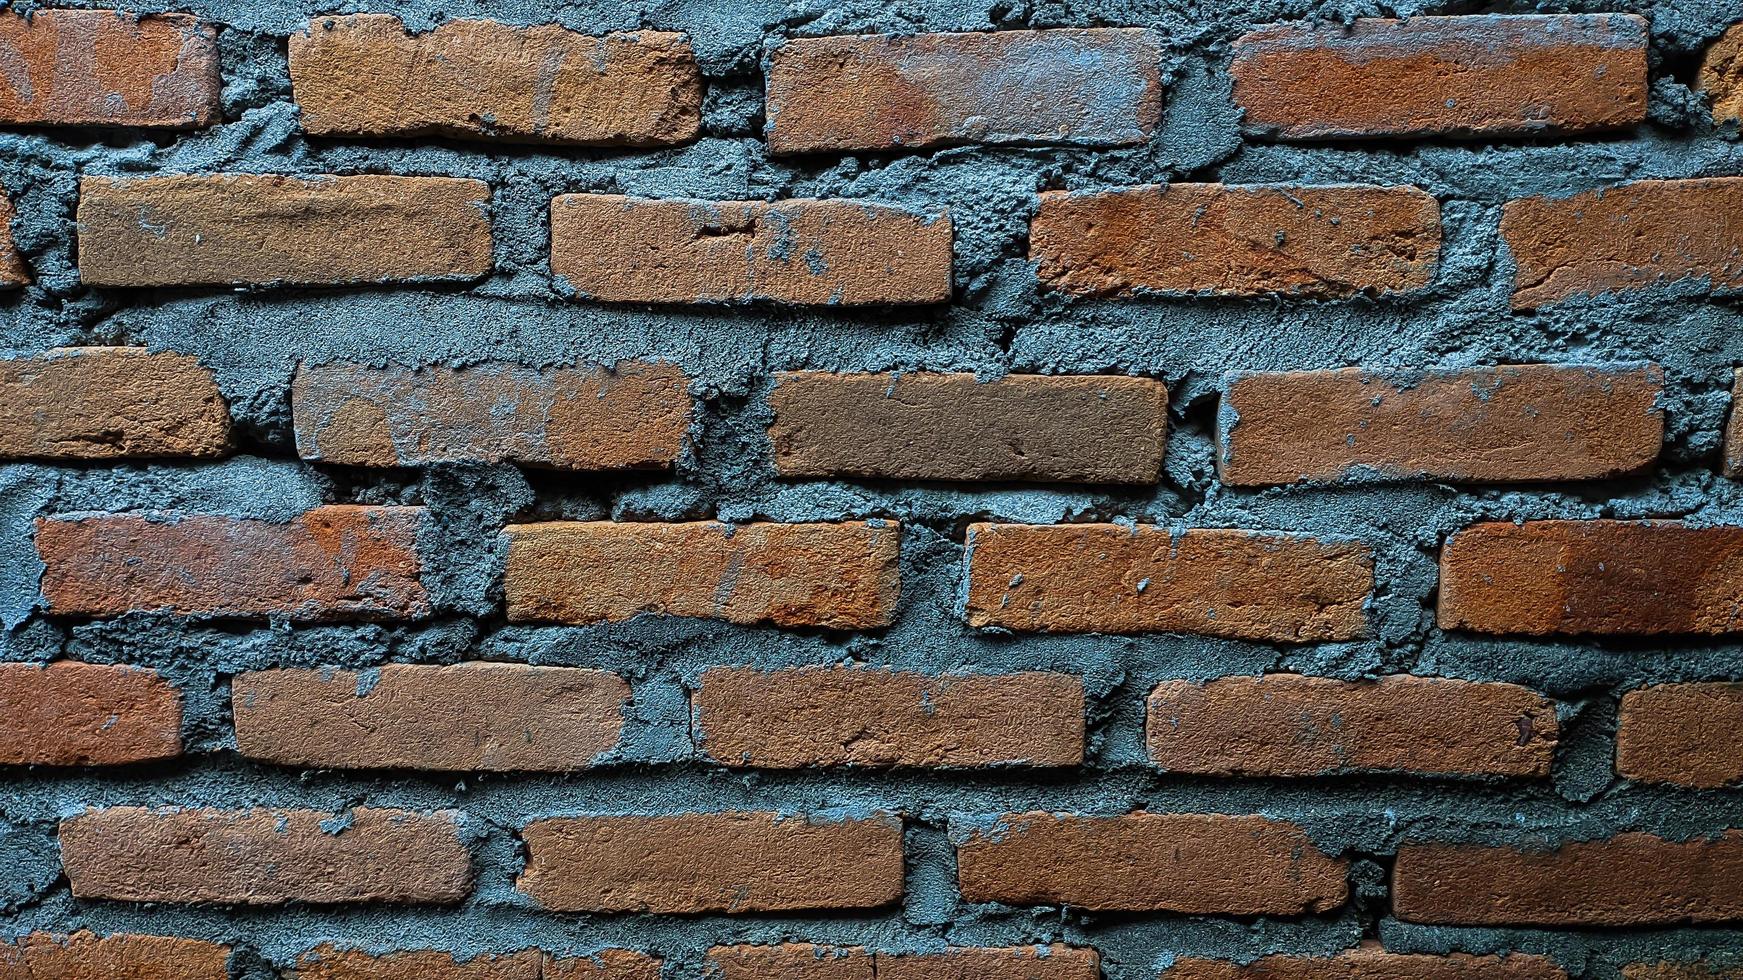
833,252
841,576
244,229
1592,577
1733,466
1721,76
1369,962
365,75
108,68
491,717
1686,734
74,714
805,961
86,956
108,403
1260,240
1482,75
330,563
265,857
1096,87
1667,970
713,862
955,427
835,716
1109,578
1288,725
1533,422
13,271
636,415
330,963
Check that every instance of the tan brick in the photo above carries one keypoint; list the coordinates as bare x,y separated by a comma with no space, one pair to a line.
713,862
840,576
1198,864
636,415
1592,577
330,963
1687,734
330,563
849,716
1259,240
907,426
1721,75
1480,75
102,403
1733,466
365,75
13,271
1110,578
835,252
265,857
1529,422
86,956
74,714
1370,962
805,961
1288,725
108,68
263,230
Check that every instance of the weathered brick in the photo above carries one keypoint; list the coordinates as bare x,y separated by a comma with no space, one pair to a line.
1370,962
75,714
805,961
267,229
1257,240
1110,578
86,956
1632,879
906,426
100,403
1721,76
1592,577
835,252
713,862
330,963
1697,970
835,716
1288,725
330,563
265,857
365,75
840,576
1199,864
1630,236
1733,466
492,717
635,415
1095,87
1687,734
13,271
108,68
1529,422
1480,75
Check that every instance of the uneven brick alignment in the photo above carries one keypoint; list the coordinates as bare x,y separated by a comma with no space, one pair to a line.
1261,240
330,963
1456,76
13,272
1369,962
805,961
86,956
713,862
1686,734
101,403
1098,87
957,427
108,68
74,714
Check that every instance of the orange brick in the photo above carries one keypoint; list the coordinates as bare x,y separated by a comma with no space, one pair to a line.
74,714
1698,970
108,68
13,271
103,403
1687,734
330,963
805,961
86,956
1369,962
1721,75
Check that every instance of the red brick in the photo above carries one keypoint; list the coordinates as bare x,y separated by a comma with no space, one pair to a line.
1592,577
1482,75
74,714
1632,879
805,961
1630,236
836,252
1529,422
86,956
1111,578
636,415
108,68
330,563
840,576
1688,734
330,963
713,862
1370,962
1288,725
1260,240
13,271
365,75
1680,971
906,426
1734,430
1721,75
265,857
102,403
263,230
1094,87
836,716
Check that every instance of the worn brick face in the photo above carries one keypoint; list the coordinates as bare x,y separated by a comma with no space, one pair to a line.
330,963
1686,734
108,68
1698,970
713,862
955,427
1109,578
805,961
835,716
87,956
1370,962
1721,75
13,271
110,403
75,714
1480,75
1733,465
1259,240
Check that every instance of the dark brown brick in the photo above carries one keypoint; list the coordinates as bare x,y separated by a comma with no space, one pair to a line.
805,961
74,714
104,403
86,956
1687,734
330,963
1734,430
108,68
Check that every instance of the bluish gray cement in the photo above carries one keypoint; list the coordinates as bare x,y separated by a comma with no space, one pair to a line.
999,323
